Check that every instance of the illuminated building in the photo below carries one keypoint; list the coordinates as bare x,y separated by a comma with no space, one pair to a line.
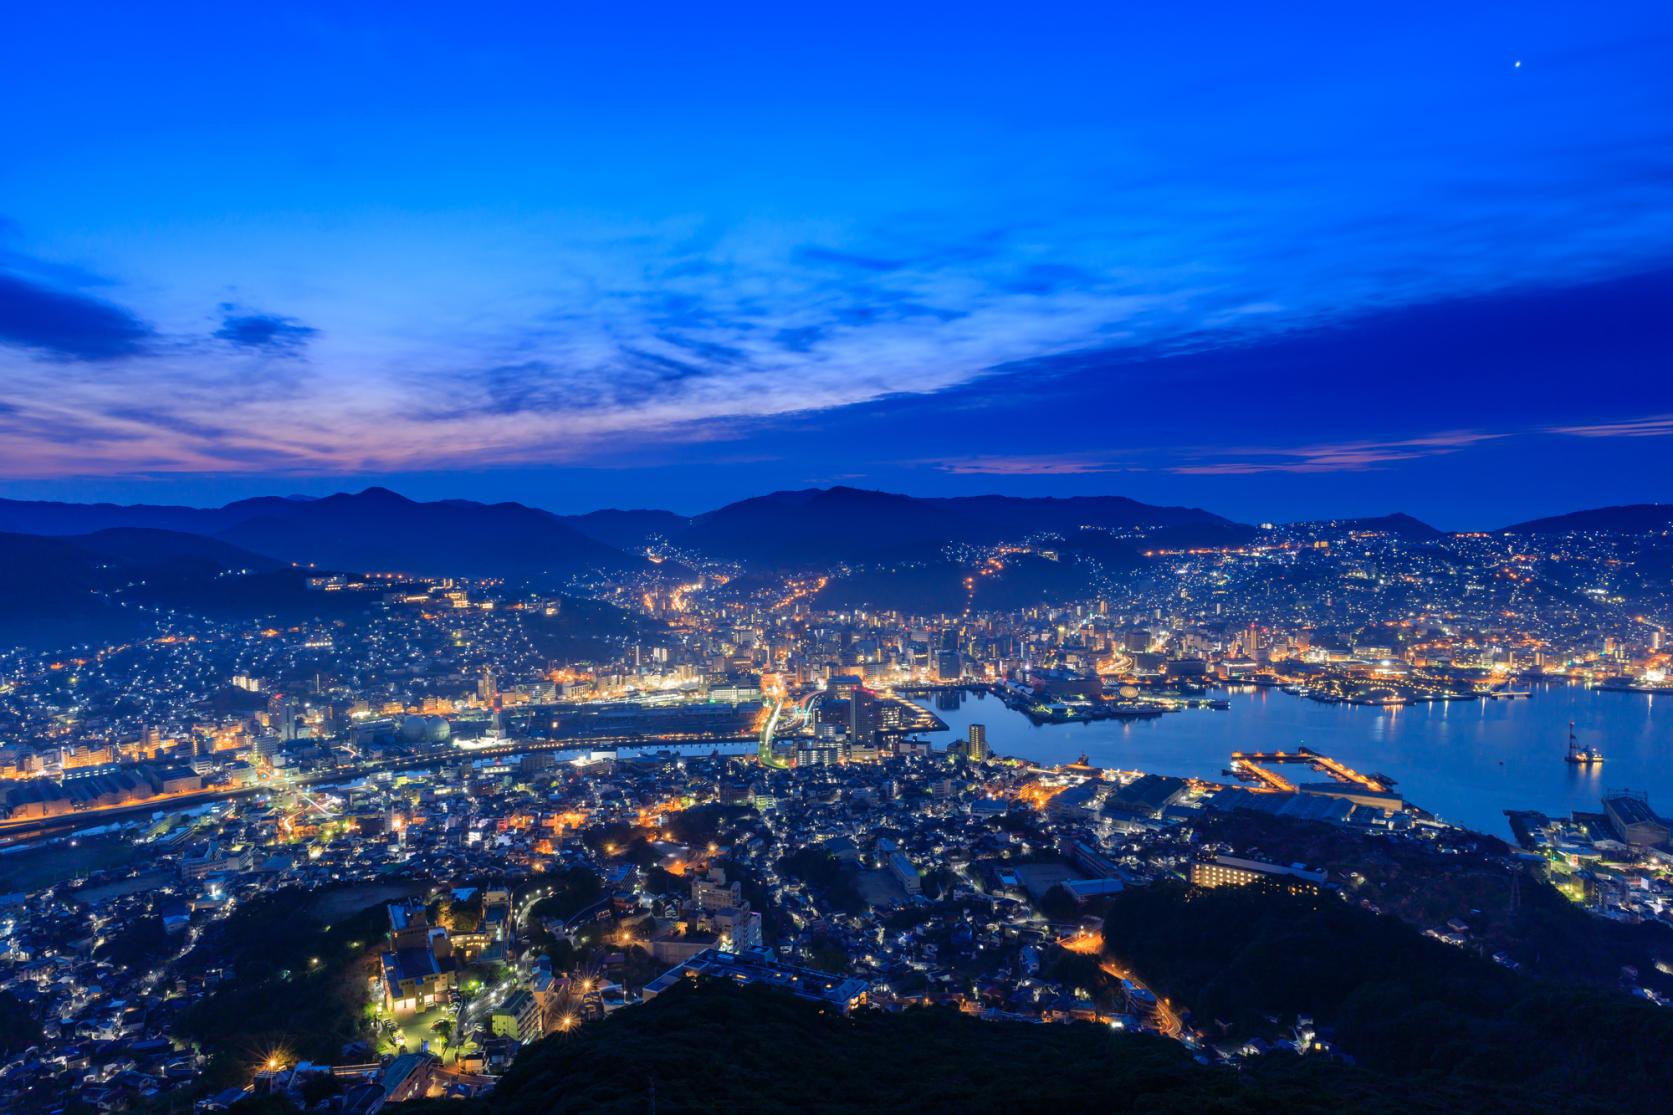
518,1017
1633,821
419,965
1230,871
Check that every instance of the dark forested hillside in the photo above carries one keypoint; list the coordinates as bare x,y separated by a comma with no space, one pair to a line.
717,1048
1397,1001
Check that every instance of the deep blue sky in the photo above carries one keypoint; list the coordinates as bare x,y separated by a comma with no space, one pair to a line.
1277,260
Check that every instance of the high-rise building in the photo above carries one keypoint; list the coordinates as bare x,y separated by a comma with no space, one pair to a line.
863,716
977,748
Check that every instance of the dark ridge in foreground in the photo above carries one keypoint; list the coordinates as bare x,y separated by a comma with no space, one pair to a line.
718,1048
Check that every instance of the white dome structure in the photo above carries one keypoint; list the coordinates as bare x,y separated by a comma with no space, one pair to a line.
426,729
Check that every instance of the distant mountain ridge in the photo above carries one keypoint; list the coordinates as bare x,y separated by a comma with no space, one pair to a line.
61,586
1397,523
844,524
378,529
628,530
1631,518
374,529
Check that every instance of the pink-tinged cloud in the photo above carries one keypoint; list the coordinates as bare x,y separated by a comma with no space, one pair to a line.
1358,456
1655,425
1025,466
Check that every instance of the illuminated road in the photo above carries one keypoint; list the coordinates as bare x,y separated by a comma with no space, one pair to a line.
1162,1014
766,754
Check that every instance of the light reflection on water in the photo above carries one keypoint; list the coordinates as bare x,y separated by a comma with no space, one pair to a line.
1467,761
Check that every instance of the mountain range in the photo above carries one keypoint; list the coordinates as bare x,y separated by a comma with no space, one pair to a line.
372,530
84,572
1632,518
826,525
380,530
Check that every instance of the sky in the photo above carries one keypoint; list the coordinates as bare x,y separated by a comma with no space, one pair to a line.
1281,261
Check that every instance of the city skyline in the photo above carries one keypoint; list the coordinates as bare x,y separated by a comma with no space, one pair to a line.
1280,267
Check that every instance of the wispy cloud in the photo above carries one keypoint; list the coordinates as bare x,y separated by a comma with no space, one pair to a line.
581,346
464,297
1357,456
1026,466
1656,425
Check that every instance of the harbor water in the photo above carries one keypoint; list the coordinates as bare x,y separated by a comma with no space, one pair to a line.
1466,761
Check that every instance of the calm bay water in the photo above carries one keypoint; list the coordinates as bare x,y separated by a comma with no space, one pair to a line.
1466,761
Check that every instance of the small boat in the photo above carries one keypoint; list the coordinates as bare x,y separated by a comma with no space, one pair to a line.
1581,756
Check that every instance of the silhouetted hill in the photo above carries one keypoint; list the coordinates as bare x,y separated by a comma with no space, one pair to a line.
70,589
50,517
1014,515
371,530
1194,536
378,529
827,525
1632,518
627,530
144,547
821,526
715,1047
1403,1005
34,567
1407,526
1399,524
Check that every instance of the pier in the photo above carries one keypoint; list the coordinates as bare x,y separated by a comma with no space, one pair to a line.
1253,765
